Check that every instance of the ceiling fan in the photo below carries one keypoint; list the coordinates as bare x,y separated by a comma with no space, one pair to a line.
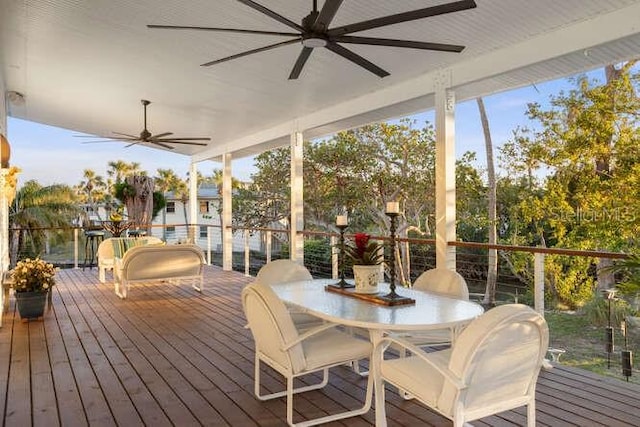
314,32
161,139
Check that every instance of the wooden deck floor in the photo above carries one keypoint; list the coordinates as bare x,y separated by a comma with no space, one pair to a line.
170,356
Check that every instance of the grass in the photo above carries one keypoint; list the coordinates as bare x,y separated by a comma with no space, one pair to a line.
585,344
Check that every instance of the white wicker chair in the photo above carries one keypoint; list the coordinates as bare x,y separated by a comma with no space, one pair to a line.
492,367
279,345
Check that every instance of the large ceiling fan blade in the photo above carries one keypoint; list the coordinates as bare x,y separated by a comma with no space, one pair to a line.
399,43
167,146
302,59
326,15
161,135
228,30
106,140
249,52
357,59
178,141
270,13
183,139
456,6
126,134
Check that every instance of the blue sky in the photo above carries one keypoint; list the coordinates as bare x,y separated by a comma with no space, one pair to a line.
65,157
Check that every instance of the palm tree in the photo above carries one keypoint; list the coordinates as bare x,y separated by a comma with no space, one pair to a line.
93,188
217,179
166,180
34,211
118,170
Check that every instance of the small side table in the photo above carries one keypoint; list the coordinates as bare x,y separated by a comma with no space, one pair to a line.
93,239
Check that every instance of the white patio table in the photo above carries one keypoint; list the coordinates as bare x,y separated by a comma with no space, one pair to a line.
430,311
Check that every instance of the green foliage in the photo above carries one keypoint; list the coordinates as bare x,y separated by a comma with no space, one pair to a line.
570,280
596,311
629,269
317,253
364,251
36,209
159,203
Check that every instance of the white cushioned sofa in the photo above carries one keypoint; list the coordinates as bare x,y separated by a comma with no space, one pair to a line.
108,249
147,263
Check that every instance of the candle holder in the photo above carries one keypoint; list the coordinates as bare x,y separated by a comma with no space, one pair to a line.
342,284
392,297
393,217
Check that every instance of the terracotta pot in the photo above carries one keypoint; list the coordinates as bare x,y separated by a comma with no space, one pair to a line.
367,278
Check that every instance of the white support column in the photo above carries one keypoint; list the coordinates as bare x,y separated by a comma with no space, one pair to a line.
445,172
297,202
538,282
4,196
227,214
3,108
193,202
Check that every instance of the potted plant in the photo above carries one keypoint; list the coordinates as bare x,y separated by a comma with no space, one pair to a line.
32,280
367,258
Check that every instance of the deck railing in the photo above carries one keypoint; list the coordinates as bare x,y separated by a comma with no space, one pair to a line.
253,247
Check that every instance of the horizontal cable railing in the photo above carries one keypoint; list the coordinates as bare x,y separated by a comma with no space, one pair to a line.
253,247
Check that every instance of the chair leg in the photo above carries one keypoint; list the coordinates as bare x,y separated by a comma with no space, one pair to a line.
101,274
329,418
531,413
355,367
381,415
256,384
290,392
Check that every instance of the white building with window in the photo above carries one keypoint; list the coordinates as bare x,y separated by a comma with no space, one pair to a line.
171,225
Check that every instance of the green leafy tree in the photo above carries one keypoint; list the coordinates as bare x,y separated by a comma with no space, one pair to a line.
587,143
166,181
92,190
39,213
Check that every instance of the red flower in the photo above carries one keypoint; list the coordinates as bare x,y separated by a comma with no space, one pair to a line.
362,240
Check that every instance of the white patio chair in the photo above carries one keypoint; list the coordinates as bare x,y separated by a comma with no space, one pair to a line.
441,281
492,367
285,271
279,345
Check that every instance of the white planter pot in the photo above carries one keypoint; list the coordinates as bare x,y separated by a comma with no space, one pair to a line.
367,278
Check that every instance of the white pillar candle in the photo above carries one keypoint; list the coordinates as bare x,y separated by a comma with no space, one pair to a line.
393,207
341,220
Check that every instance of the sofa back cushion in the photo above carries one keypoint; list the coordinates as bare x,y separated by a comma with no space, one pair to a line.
122,244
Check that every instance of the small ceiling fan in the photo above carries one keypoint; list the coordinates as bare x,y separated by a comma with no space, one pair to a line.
315,32
161,139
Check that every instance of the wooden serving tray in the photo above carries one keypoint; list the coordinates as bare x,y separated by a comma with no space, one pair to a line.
379,298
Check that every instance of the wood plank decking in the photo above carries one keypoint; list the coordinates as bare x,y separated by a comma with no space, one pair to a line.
170,356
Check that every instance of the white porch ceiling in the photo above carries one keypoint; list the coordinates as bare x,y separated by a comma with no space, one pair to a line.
85,65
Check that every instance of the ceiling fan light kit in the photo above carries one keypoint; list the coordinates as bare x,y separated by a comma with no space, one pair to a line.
314,32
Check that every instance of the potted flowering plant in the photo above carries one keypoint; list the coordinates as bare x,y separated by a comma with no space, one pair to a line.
32,280
367,258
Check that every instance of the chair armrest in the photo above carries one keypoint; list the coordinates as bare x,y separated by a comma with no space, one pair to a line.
311,332
378,354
